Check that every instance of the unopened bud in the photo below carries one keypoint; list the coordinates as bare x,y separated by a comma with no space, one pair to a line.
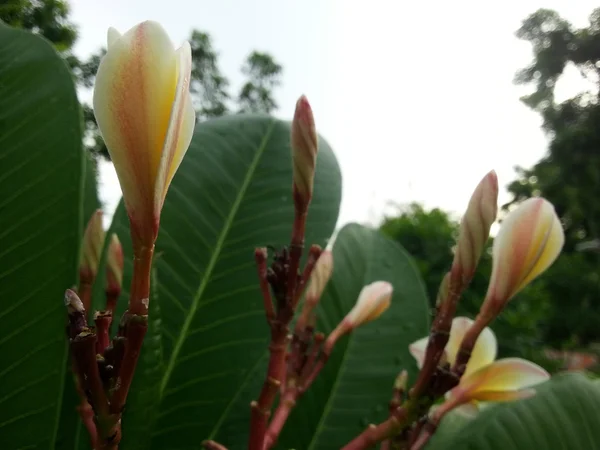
320,276
91,248
529,241
114,264
475,226
373,300
72,302
304,142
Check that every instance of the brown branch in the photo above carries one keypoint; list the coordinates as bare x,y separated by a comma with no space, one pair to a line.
377,433
139,297
112,296
286,404
313,255
261,409
439,335
296,247
134,337
212,445
260,256
102,320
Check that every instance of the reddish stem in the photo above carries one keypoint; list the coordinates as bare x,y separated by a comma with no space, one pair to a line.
260,256
286,404
212,445
135,330
140,283
439,335
305,376
261,409
112,296
313,255
296,247
103,320
377,433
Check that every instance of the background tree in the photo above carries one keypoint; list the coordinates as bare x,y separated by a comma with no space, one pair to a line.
569,174
264,76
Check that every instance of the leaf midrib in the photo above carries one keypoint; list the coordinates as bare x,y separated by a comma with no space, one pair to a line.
213,261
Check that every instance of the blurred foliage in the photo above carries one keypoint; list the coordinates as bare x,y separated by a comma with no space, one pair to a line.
429,236
569,174
209,87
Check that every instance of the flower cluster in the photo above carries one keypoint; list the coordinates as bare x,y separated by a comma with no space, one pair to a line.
144,111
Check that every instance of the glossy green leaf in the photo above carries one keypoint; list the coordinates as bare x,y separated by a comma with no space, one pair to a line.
562,415
356,385
40,203
231,194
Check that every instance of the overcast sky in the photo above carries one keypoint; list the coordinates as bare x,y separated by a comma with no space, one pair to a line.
416,98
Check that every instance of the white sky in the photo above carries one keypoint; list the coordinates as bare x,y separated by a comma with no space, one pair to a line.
416,98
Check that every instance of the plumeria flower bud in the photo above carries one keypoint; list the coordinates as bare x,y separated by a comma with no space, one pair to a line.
530,239
91,248
320,276
304,142
114,265
144,111
475,226
372,301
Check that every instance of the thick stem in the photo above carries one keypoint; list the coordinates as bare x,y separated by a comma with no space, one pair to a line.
112,296
439,335
313,256
85,410
212,445
135,331
377,433
286,404
260,256
140,283
296,247
103,320
262,407
431,425
108,426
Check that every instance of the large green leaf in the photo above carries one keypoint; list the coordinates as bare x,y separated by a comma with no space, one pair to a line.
90,198
356,385
231,194
562,415
40,210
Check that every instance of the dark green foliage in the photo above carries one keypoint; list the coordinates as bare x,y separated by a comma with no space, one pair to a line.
569,174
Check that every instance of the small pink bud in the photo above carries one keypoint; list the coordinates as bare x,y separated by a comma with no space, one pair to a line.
114,264
530,239
304,143
91,248
373,300
320,276
475,226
